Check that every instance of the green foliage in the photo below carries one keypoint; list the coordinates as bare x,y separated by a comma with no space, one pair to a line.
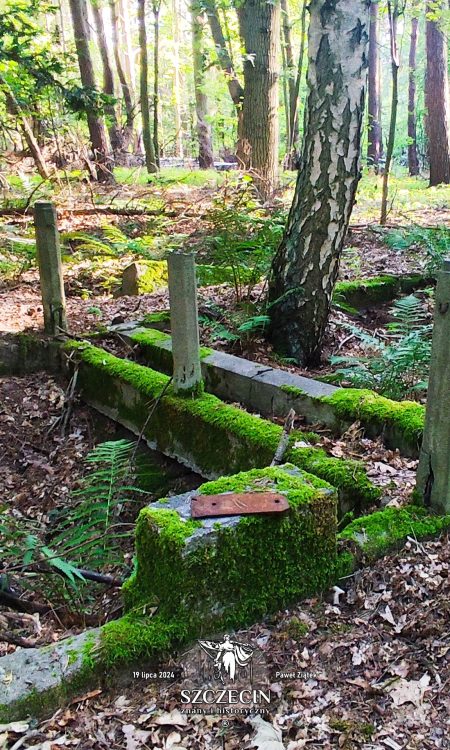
435,242
243,238
86,533
397,368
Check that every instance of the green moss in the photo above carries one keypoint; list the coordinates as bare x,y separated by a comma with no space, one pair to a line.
292,390
209,275
383,530
405,418
150,337
135,637
297,629
217,438
156,318
365,292
242,572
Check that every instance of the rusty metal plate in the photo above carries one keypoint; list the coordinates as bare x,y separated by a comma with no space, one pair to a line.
238,504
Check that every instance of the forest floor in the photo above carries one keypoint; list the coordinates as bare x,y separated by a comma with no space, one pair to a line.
377,654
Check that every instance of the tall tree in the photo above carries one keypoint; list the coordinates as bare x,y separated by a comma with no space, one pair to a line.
125,83
259,23
179,149
15,109
96,125
437,100
305,267
147,138
393,9
295,118
413,159
205,150
292,124
114,129
375,140
156,6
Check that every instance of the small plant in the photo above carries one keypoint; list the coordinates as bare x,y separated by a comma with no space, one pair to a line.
244,239
398,367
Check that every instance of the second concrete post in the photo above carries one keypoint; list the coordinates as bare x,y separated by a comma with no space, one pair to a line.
187,375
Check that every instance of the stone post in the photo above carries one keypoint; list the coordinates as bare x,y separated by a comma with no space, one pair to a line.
50,269
433,474
187,375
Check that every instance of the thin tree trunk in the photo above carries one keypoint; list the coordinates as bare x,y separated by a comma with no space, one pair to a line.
125,85
224,59
413,161
295,114
179,150
375,141
156,10
123,18
96,126
27,131
115,135
205,150
305,267
285,99
292,129
147,139
260,28
393,13
437,100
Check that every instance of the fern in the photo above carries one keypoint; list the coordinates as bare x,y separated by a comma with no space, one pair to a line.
397,368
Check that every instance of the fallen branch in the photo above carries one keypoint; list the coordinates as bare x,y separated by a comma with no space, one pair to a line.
9,599
284,439
17,640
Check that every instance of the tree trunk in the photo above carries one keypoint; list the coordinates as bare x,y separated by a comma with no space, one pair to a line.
147,139
115,135
413,161
375,140
205,150
156,9
437,100
393,13
179,150
295,119
305,267
127,91
97,132
260,28
292,130
27,131
226,64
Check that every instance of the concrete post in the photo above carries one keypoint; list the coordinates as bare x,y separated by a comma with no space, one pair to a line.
433,474
187,375
50,269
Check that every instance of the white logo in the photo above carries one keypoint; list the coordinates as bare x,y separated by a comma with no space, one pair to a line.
231,659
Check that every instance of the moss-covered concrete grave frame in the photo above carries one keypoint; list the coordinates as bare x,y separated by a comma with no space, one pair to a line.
273,392
212,438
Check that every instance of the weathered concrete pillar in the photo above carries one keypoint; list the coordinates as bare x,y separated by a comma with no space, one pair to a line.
50,269
187,375
433,474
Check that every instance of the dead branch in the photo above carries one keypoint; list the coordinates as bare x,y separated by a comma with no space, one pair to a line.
284,439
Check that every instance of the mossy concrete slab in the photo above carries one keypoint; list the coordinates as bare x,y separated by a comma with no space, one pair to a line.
273,392
210,437
33,677
228,571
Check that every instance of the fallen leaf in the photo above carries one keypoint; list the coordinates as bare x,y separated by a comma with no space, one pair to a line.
266,736
409,691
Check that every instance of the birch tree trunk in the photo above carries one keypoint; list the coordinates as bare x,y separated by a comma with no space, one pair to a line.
156,10
259,22
375,141
305,267
147,139
205,150
437,99
413,160
14,108
96,126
